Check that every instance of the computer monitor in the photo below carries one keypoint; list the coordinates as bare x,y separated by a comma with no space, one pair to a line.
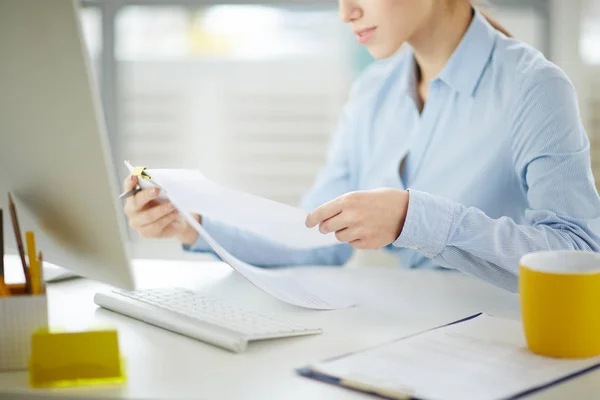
54,152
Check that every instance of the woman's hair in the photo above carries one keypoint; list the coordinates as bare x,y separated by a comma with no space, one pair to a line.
495,24
479,4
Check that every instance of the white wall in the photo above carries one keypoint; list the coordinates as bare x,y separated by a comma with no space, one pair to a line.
566,21
524,24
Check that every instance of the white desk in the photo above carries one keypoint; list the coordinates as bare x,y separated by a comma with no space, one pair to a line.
161,365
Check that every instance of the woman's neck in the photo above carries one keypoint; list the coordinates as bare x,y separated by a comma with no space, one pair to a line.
436,41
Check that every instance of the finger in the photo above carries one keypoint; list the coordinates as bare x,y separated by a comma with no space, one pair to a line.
155,229
150,215
137,202
130,183
347,235
334,224
324,212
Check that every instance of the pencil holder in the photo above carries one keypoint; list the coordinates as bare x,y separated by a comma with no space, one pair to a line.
20,317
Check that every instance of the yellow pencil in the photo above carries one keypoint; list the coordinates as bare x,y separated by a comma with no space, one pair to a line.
34,267
4,291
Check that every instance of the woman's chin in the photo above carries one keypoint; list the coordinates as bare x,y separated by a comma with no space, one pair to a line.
380,52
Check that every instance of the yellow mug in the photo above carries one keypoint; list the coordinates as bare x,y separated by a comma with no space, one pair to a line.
560,303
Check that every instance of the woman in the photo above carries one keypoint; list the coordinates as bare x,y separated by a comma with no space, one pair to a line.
465,151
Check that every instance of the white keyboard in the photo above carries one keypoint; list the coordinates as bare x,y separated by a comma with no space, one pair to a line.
205,318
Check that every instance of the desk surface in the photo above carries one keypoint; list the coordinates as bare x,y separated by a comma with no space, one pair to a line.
161,365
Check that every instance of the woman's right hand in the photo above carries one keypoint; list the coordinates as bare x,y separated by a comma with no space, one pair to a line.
155,220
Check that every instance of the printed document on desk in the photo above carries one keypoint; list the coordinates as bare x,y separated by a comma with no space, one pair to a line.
190,191
478,358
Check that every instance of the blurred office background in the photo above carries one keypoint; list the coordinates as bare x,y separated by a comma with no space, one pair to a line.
250,91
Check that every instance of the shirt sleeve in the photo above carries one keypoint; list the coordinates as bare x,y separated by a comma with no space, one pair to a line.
333,181
551,156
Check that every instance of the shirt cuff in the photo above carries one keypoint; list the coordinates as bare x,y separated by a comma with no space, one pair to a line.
222,234
199,246
428,223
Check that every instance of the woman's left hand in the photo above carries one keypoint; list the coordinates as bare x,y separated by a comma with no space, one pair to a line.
366,220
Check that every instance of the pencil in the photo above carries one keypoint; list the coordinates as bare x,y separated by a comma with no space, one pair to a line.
34,266
15,222
41,264
16,288
4,291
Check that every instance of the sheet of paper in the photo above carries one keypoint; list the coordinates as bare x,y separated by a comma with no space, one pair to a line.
483,358
278,222
282,287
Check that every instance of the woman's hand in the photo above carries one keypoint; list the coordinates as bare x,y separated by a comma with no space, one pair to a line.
367,219
153,220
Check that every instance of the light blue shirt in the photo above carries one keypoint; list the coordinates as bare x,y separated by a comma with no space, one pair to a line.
497,163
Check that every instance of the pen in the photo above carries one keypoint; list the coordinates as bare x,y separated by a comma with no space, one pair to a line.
34,266
4,290
138,189
130,193
15,222
383,392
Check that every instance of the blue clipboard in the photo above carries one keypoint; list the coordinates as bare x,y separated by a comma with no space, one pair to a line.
337,381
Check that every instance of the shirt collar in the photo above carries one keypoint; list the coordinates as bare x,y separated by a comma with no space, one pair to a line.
465,67
408,77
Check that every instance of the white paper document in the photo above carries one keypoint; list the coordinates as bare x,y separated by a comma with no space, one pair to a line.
278,222
190,191
482,358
